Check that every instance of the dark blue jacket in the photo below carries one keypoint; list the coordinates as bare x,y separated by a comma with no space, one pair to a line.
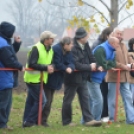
61,61
110,56
8,58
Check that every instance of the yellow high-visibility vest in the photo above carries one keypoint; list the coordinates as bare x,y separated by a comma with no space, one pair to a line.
45,57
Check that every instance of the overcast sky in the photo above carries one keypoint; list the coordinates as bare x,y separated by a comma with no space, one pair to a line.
4,16
3,13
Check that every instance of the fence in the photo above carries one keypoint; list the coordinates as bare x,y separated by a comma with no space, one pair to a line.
41,89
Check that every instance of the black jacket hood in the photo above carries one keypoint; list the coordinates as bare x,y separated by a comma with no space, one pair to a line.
6,30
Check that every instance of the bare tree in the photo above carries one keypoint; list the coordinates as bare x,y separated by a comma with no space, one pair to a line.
116,11
22,12
55,17
32,17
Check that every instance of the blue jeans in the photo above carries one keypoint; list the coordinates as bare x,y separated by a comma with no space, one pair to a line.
32,103
5,106
95,100
127,100
132,90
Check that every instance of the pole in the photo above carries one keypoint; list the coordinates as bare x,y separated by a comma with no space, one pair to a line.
40,100
117,95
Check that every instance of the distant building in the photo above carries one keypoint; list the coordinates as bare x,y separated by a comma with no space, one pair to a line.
69,32
128,34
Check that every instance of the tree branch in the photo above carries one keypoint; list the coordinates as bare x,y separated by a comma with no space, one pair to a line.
122,6
77,6
130,17
96,10
126,18
105,5
52,14
59,5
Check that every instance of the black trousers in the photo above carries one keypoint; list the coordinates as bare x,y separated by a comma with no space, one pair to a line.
104,91
69,94
46,111
32,103
5,106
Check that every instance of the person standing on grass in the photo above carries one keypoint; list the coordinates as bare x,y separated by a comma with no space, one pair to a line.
123,60
77,81
104,85
8,59
16,46
63,62
39,58
105,57
131,55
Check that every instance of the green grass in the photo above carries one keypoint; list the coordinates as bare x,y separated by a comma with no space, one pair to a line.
55,120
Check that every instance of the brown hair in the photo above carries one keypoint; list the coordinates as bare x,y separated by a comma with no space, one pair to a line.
106,32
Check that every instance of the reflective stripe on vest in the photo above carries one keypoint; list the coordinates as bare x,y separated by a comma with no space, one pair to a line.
33,72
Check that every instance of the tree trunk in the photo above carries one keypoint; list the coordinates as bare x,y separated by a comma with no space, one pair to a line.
114,13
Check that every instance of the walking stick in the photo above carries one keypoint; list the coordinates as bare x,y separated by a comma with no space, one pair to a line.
117,95
40,101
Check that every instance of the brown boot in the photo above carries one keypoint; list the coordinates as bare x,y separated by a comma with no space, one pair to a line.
93,123
72,124
8,128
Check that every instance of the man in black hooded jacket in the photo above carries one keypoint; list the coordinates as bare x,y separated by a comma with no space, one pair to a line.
15,44
8,59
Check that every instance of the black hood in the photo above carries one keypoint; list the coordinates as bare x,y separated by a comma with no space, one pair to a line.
6,30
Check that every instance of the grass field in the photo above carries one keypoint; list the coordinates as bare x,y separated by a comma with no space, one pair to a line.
55,120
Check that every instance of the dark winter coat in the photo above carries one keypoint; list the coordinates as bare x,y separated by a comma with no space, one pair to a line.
61,60
82,61
8,58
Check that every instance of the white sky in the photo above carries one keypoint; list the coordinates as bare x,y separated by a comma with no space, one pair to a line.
4,16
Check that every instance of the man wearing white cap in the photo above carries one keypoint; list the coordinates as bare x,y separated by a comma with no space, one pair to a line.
39,59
